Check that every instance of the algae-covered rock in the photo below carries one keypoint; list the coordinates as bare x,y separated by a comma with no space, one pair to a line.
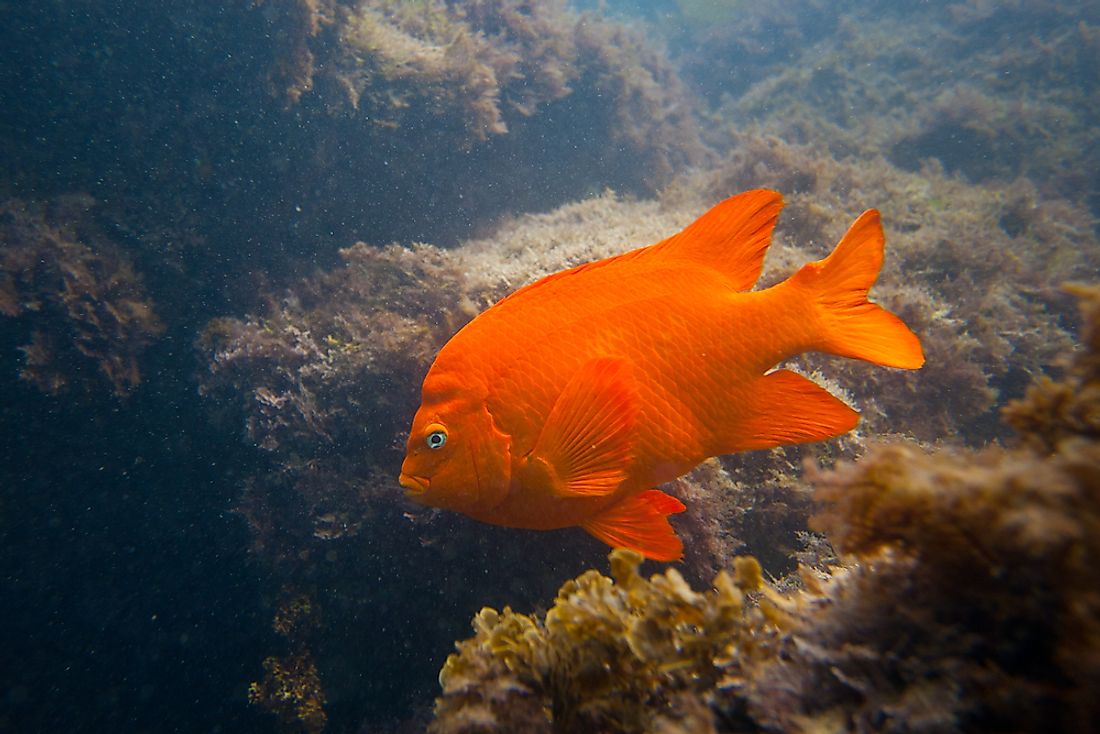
447,102
77,296
966,599
970,597
324,377
613,654
872,82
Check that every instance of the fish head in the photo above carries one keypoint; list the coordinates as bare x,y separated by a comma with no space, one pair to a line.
456,457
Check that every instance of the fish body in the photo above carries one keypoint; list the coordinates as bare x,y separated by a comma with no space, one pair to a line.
569,401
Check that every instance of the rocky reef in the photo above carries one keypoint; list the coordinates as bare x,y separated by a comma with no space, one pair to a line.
323,377
965,599
428,95
423,120
318,193
872,82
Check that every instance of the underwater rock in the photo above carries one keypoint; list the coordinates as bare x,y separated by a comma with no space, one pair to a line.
77,297
1054,412
973,601
612,654
967,599
454,76
322,380
872,82
267,134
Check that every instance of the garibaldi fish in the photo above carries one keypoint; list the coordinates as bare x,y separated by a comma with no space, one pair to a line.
569,401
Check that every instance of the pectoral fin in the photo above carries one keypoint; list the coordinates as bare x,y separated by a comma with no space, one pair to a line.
641,523
586,442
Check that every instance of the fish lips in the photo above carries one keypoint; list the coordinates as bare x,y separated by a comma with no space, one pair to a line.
414,486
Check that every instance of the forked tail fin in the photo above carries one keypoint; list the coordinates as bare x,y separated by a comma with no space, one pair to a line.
851,326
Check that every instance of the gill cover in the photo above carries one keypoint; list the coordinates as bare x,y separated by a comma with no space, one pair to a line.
457,458
490,459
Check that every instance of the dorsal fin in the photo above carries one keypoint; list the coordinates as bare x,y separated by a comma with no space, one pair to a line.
731,237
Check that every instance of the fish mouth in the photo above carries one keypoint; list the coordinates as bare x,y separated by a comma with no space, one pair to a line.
414,485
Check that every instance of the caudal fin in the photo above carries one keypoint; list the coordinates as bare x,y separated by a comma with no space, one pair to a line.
852,326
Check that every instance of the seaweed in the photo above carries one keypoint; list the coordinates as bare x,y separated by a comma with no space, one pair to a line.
77,295
294,24
872,82
403,62
1054,412
965,598
994,555
490,64
320,379
291,687
618,654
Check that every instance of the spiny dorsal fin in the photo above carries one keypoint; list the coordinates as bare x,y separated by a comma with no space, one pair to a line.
732,237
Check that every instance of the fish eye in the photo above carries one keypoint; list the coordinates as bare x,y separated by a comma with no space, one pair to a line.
436,438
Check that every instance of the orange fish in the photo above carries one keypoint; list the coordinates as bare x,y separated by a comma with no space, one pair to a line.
570,400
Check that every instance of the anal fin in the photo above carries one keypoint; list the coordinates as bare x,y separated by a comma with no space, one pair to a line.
641,523
788,408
